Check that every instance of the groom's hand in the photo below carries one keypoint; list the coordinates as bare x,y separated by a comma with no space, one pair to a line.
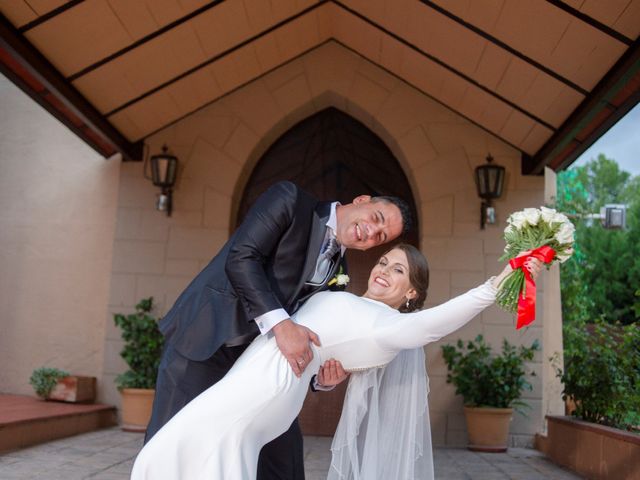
293,341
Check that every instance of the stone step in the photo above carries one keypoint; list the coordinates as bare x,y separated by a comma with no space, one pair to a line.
26,421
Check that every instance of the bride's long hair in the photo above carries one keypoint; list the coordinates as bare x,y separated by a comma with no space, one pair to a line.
384,430
418,276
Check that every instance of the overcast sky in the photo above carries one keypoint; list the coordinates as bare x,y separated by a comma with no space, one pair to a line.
621,142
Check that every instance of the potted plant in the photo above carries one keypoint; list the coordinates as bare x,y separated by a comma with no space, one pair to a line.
55,384
142,349
491,386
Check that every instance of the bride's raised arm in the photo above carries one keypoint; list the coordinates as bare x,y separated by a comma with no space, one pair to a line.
411,330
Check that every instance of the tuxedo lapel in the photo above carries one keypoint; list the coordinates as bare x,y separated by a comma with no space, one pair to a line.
316,237
334,266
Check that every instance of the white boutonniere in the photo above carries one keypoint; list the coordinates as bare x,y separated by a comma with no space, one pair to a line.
340,279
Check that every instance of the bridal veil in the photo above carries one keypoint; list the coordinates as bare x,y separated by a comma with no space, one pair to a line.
384,429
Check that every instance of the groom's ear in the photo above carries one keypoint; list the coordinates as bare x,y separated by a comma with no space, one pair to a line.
361,199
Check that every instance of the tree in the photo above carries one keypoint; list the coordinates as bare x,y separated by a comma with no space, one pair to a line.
601,279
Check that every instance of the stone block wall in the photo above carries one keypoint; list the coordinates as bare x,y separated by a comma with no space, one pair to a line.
219,145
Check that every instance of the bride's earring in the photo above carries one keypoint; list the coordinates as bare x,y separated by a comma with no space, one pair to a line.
407,304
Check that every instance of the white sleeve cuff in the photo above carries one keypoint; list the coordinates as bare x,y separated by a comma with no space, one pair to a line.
268,320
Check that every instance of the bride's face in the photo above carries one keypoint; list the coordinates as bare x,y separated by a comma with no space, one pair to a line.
389,279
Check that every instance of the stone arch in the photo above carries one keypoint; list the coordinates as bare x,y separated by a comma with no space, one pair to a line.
327,99
335,157
221,143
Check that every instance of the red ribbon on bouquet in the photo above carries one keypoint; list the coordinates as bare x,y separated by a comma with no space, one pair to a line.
527,302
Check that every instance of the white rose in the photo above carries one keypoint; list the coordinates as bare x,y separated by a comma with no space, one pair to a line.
517,220
566,255
342,279
565,234
548,214
561,218
532,216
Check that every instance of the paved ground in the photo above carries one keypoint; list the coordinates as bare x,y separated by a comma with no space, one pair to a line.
108,454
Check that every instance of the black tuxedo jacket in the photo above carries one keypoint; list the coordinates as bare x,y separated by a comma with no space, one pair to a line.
262,267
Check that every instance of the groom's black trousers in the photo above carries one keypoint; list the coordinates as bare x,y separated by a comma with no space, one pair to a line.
180,380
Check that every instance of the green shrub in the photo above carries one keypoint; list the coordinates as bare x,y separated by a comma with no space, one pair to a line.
485,380
142,347
602,372
44,379
636,305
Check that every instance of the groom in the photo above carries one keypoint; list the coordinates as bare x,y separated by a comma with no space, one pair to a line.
287,248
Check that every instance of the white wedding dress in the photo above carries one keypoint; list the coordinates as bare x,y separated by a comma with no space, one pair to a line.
219,434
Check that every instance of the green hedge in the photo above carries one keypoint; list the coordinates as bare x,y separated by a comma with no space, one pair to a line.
602,372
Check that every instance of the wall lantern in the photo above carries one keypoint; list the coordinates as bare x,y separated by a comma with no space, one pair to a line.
163,174
489,182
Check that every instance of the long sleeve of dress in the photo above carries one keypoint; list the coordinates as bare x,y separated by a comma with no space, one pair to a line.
411,330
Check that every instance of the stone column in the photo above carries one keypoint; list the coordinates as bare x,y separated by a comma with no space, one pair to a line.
552,403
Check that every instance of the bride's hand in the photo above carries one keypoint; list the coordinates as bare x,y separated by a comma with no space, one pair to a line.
331,374
532,264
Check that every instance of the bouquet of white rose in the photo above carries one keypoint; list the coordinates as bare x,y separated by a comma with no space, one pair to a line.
548,235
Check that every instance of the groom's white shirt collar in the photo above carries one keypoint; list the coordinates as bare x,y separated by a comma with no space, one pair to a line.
268,320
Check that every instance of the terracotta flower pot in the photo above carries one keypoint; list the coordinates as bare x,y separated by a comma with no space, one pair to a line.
488,428
74,389
136,408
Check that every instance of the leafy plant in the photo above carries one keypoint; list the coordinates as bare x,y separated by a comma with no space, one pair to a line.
486,380
142,348
636,305
44,379
602,372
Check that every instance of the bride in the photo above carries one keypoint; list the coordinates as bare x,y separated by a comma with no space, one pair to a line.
219,434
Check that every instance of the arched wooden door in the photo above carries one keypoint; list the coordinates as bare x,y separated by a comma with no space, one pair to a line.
334,157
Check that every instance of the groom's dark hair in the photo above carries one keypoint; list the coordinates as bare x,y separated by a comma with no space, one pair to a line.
405,212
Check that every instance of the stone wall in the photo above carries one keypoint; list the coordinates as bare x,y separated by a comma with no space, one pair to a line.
219,145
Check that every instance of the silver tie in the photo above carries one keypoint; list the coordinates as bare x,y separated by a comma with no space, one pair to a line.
324,260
